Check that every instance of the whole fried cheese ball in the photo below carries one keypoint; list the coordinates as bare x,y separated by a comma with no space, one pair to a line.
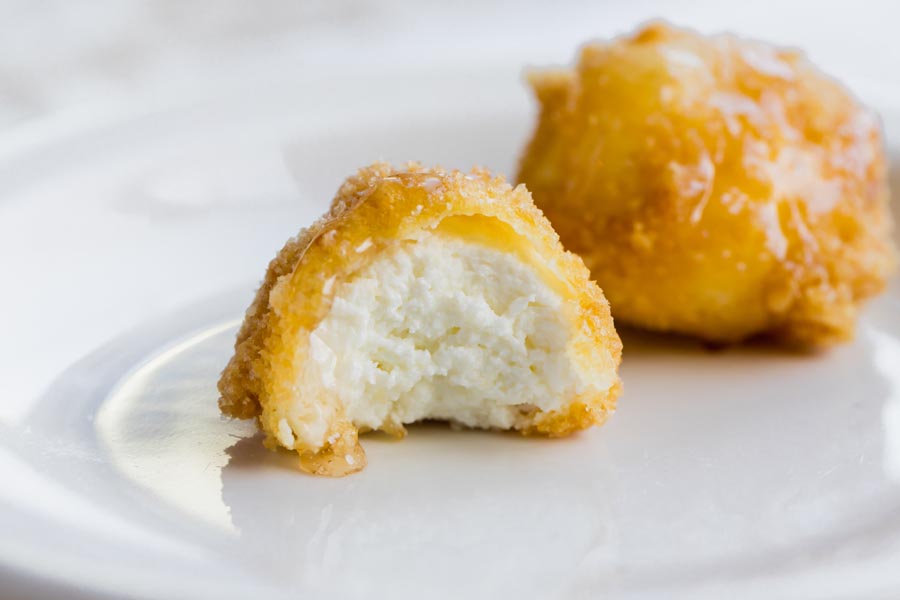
422,294
714,186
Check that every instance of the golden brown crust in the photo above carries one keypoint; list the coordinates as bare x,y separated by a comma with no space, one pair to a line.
714,186
371,211
239,385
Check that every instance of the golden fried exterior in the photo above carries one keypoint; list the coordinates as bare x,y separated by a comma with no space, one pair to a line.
372,211
715,187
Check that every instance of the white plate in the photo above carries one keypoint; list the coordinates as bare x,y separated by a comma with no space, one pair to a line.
751,472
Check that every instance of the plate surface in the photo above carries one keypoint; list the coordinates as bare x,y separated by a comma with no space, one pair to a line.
748,471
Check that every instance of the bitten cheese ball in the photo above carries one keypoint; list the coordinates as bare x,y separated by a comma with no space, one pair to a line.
714,186
422,294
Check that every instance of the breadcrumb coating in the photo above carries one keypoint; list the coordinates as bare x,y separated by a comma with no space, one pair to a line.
371,213
714,186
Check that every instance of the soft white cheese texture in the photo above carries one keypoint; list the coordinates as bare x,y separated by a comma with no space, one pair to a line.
444,329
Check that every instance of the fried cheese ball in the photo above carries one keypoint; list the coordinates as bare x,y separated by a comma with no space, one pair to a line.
422,294
714,186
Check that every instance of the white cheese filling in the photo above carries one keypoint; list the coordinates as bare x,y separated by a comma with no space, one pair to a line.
449,330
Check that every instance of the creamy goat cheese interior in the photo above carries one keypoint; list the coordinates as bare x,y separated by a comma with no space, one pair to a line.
441,328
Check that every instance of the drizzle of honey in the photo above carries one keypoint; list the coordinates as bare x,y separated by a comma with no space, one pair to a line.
494,233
